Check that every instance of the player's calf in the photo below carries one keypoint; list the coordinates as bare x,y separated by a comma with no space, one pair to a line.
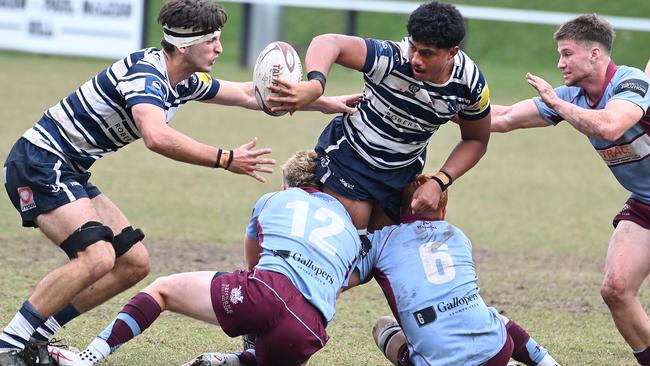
389,337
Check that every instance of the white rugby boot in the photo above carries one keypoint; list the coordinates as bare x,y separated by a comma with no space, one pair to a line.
214,359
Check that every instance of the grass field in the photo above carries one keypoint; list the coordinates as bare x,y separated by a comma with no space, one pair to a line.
538,208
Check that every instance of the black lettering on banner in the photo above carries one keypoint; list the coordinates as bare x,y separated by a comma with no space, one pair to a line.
425,316
39,28
107,8
13,4
59,6
637,86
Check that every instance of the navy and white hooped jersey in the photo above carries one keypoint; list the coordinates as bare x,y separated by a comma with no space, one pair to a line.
426,271
626,157
96,119
398,114
309,237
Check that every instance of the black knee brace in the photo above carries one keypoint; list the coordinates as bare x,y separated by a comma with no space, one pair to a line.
126,239
89,233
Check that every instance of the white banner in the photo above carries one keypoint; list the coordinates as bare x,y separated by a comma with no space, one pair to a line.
98,28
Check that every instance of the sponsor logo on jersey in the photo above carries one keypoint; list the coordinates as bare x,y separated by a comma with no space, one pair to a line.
26,199
316,271
637,86
425,316
400,121
154,87
458,305
626,153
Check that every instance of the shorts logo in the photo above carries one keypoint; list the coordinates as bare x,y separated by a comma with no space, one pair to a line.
26,199
225,289
236,296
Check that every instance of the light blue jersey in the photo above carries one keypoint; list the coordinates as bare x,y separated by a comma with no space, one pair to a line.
426,271
398,114
96,119
627,156
309,237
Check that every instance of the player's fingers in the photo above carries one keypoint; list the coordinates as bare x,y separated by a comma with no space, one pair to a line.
264,169
258,177
250,144
264,151
284,83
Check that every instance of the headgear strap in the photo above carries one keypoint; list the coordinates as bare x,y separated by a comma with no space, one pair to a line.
185,37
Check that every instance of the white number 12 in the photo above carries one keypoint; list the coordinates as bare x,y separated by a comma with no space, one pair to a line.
318,235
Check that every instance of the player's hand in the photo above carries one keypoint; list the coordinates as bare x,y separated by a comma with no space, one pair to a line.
250,162
426,198
544,89
337,104
294,96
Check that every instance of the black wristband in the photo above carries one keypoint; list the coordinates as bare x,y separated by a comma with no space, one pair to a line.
230,157
442,185
317,75
219,152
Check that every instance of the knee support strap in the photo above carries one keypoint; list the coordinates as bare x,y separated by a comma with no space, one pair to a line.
126,239
89,233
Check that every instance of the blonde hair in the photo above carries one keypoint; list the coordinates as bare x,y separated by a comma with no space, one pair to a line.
407,194
300,170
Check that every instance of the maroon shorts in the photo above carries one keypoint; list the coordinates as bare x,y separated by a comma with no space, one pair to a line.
289,328
635,211
500,359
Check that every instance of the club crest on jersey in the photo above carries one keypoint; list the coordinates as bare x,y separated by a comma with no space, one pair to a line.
26,199
414,88
236,296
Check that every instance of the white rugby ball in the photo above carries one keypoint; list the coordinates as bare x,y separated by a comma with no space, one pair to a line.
280,60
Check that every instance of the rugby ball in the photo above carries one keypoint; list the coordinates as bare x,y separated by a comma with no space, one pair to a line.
280,60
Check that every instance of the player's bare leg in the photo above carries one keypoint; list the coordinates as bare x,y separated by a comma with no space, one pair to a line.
129,269
183,293
389,337
626,267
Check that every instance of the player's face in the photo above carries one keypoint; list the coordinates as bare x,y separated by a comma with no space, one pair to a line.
576,61
429,63
203,55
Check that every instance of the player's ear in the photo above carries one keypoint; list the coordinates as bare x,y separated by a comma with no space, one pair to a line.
453,51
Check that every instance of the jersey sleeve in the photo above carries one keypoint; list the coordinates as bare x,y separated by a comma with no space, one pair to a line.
479,96
382,57
203,86
143,84
252,228
549,114
633,87
367,264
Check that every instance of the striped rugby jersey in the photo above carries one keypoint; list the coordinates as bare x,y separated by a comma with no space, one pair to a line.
398,114
96,119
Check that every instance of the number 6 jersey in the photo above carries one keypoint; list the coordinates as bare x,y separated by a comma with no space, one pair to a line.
309,237
426,271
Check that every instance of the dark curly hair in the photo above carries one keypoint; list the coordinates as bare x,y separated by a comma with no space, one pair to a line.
198,15
436,24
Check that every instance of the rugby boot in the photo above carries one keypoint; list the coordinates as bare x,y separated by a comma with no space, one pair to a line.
62,356
12,358
35,353
214,359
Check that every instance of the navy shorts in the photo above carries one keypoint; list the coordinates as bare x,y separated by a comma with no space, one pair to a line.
345,172
38,181
635,211
289,328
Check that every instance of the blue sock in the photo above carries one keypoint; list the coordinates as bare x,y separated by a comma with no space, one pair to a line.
21,327
55,322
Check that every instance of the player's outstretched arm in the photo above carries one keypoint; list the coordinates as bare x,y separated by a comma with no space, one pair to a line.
522,114
608,124
162,139
240,94
323,52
